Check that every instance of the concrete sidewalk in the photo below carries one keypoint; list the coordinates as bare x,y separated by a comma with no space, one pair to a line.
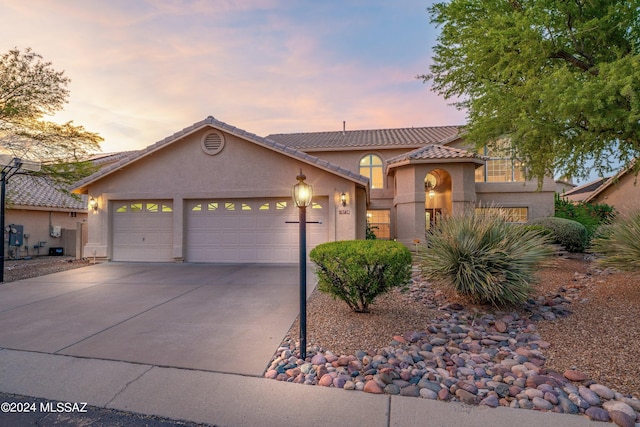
191,342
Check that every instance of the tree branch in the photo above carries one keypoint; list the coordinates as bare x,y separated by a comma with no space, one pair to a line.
584,66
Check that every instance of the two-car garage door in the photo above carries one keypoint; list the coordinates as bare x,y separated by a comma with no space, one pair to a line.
216,230
249,230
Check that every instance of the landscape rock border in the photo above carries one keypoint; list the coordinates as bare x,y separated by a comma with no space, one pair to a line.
478,359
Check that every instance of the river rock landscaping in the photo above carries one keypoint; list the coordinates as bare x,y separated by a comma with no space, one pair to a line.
422,343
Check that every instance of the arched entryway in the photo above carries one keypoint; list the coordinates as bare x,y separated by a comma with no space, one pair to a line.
437,187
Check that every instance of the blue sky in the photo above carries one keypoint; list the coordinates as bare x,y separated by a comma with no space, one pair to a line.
142,70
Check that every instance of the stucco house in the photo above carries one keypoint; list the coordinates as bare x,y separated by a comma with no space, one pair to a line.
40,216
215,193
620,191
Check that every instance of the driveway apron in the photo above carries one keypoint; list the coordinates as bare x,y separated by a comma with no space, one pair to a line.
213,317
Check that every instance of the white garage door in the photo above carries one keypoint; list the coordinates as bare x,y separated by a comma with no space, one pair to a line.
250,230
143,230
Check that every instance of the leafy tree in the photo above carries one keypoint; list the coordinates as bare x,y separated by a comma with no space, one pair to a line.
29,90
560,78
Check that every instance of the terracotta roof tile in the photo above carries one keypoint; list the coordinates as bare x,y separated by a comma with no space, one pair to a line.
401,137
41,191
435,152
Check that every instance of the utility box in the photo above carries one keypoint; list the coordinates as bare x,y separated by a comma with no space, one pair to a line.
15,234
56,251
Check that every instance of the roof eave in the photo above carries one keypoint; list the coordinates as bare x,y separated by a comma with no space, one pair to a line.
81,187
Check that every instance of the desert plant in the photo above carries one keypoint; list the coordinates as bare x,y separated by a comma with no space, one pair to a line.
571,235
357,271
619,243
482,257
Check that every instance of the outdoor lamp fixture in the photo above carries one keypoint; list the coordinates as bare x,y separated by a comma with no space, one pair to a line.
10,166
429,187
93,205
302,194
343,199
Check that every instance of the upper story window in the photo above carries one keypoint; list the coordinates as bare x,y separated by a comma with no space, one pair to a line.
371,167
501,166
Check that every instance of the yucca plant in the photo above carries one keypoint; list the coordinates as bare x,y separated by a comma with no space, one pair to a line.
482,257
619,243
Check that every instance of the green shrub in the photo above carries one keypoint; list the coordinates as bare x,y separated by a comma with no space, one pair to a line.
571,235
484,258
591,215
357,271
619,243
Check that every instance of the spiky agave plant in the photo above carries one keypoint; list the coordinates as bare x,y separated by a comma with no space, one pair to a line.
619,243
484,258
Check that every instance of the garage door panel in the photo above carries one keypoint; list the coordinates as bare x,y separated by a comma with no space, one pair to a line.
142,231
255,230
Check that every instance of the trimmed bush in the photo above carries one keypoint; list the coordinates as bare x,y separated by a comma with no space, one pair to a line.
357,271
571,235
484,258
619,243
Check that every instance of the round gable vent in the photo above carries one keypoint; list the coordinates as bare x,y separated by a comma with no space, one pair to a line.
212,142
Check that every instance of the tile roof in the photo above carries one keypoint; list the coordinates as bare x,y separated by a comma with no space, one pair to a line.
108,158
211,121
41,191
435,152
584,191
368,139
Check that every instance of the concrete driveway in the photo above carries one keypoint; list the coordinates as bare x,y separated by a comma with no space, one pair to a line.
220,318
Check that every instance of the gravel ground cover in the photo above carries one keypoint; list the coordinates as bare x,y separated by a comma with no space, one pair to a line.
601,337
39,266
580,329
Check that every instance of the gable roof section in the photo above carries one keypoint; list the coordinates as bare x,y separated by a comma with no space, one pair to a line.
584,191
41,192
608,182
210,121
435,153
369,139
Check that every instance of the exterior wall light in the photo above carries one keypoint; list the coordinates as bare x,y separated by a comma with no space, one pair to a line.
93,205
343,199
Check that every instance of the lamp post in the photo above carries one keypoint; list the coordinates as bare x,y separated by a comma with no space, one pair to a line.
10,165
302,195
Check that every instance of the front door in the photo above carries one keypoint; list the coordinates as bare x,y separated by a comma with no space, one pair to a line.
432,218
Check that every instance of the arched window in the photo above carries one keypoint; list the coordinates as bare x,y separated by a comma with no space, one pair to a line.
371,167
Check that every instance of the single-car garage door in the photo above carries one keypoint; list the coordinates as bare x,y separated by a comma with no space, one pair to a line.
250,230
143,230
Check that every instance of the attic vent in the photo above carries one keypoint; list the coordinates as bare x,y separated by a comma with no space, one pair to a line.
212,143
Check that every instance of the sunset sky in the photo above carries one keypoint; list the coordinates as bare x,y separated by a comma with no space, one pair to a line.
142,70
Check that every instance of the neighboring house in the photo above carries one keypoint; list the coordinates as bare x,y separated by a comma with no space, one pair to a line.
620,191
216,193
42,217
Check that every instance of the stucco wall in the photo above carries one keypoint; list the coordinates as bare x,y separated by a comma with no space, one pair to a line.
37,224
540,202
624,195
